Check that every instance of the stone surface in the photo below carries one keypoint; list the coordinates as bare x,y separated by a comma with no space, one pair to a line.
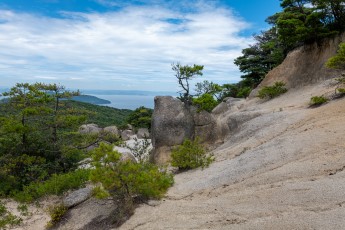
304,66
126,153
77,197
172,123
90,129
143,133
126,134
112,130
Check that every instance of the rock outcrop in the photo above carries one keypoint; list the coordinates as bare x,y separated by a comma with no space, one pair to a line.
77,197
143,133
304,66
90,129
173,122
126,134
111,130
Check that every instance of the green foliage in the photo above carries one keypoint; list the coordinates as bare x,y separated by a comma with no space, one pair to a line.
7,219
210,88
184,74
300,22
258,59
101,115
337,61
140,149
23,209
55,185
318,100
341,90
100,193
272,91
140,117
205,102
190,155
37,135
56,213
128,179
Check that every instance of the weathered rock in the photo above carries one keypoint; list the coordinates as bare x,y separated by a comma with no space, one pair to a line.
304,66
77,197
143,133
172,123
229,104
90,129
126,135
130,127
111,130
126,154
205,127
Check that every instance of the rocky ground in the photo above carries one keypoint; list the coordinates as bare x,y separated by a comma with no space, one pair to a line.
282,169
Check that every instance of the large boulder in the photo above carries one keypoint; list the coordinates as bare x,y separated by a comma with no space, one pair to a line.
172,123
77,197
143,133
205,127
90,129
126,135
111,130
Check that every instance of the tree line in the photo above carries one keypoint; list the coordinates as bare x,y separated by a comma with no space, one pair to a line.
300,22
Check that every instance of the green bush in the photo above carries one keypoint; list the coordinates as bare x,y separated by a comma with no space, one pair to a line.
140,117
341,90
128,178
272,91
318,100
55,185
7,218
190,155
205,102
56,213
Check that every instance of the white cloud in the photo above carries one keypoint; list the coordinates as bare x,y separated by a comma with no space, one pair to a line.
135,46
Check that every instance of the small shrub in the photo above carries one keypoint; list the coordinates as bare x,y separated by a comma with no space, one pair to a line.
341,90
205,102
190,155
55,185
128,178
272,91
318,100
56,213
23,209
7,218
140,149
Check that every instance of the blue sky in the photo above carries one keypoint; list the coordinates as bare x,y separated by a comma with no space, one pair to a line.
129,45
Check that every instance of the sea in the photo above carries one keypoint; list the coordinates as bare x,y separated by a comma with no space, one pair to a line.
128,101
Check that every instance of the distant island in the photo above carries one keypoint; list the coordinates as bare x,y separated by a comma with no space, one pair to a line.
91,99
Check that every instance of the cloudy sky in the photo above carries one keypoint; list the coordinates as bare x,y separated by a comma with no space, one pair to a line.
125,44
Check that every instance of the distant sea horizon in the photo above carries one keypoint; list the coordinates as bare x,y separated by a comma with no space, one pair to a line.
128,99
123,99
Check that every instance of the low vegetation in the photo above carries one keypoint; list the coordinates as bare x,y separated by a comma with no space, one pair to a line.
140,117
318,100
102,115
191,154
7,219
56,213
269,92
127,181
55,185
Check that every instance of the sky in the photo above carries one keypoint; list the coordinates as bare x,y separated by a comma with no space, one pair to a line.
125,44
